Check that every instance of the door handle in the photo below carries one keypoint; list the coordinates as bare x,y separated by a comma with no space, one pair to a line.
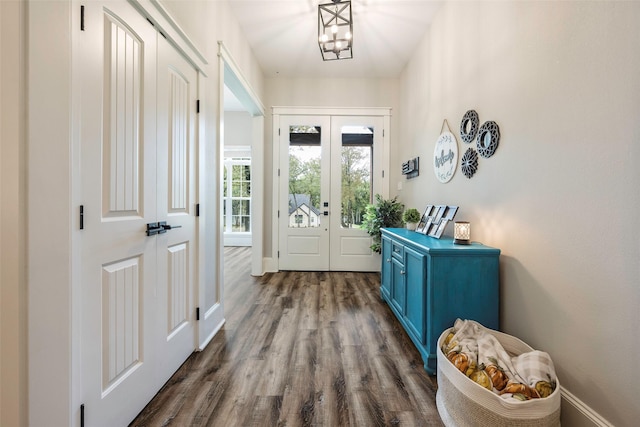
161,227
154,228
166,226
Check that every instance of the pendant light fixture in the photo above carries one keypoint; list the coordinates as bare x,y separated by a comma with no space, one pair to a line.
335,30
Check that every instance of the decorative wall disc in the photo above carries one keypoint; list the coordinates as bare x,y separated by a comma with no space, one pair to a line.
488,139
445,157
469,162
469,126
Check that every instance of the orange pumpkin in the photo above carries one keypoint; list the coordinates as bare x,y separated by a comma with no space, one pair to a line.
523,389
498,377
459,360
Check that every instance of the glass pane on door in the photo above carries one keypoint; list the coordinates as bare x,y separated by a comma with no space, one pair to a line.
304,176
356,180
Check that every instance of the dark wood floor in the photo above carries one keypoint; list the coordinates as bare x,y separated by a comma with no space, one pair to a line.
299,349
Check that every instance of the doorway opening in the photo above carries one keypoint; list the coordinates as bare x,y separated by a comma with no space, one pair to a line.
241,126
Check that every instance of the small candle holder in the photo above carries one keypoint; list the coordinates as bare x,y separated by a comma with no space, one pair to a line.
462,233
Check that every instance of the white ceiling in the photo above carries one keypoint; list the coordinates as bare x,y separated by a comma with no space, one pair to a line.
284,36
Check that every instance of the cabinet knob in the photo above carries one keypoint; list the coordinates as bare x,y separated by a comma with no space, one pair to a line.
388,259
401,271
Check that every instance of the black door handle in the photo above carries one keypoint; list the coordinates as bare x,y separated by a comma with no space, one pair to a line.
154,228
161,227
167,226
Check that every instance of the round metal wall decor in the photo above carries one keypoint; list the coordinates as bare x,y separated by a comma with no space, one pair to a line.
445,157
488,139
469,162
469,126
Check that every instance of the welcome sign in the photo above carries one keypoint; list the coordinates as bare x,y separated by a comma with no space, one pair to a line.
445,157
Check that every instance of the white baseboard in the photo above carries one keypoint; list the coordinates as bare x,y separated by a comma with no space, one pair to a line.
270,265
206,342
585,412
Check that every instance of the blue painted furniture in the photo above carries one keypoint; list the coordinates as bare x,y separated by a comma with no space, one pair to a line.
429,283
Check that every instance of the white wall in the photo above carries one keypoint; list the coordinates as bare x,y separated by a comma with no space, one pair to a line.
13,306
307,92
560,196
237,129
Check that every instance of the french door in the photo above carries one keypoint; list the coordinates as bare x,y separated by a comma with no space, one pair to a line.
330,169
138,191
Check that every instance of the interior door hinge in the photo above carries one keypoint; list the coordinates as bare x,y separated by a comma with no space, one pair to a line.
278,214
278,171
81,217
197,313
278,131
383,174
82,415
383,133
82,17
278,254
197,106
197,209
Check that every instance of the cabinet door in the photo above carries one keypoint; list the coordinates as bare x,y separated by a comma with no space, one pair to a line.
416,283
398,287
385,275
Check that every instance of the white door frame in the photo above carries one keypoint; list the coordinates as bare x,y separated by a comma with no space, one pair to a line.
384,112
232,77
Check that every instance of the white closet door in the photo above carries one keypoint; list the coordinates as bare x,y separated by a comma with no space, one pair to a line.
138,148
118,157
176,177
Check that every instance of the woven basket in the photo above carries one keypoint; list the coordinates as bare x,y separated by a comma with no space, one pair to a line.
461,402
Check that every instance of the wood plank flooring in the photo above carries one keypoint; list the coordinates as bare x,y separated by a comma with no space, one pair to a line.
299,349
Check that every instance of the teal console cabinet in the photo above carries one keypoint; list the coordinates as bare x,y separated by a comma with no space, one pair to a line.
429,283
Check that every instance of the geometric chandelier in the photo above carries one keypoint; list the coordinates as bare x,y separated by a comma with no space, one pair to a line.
335,30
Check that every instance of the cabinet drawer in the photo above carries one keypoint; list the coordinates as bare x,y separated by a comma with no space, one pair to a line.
397,250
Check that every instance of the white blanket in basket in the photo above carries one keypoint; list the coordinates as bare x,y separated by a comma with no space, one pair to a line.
534,369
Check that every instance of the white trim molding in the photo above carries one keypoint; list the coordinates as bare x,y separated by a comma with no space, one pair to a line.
167,25
238,84
583,409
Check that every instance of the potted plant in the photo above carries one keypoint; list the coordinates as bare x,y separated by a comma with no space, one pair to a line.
411,217
382,213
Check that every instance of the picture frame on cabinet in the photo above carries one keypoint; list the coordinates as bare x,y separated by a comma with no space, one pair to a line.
439,213
437,233
450,212
423,220
421,224
436,218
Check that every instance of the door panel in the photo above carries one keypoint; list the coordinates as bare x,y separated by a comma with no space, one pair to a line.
304,190
117,133
415,280
356,156
398,287
177,93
